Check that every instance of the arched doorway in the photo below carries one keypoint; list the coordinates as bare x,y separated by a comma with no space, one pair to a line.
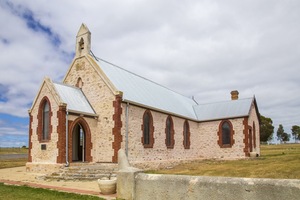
78,143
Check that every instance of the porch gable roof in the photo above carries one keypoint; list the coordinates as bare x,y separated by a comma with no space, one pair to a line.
74,98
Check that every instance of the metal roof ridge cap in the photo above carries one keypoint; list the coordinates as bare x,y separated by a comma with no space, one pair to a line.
195,112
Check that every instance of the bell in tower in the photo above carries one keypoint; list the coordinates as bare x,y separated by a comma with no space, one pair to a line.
83,41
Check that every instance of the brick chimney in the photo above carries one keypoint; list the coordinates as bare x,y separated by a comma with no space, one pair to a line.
234,95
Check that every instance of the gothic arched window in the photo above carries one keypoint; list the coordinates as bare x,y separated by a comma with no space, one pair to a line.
148,130
169,133
225,134
186,135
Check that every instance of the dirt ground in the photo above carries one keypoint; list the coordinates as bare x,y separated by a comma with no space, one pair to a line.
19,174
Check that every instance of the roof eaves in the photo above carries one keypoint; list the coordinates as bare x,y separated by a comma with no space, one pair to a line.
83,113
159,110
221,118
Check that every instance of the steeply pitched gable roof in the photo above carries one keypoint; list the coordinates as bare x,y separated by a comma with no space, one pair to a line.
146,93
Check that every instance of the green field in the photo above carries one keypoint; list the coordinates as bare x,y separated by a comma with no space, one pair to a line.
16,150
11,192
276,161
12,162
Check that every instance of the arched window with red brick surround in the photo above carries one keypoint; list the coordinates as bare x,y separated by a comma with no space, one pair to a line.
44,129
169,133
225,134
186,135
148,130
46,120
254,136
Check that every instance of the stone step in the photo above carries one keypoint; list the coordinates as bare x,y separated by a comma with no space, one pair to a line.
84,172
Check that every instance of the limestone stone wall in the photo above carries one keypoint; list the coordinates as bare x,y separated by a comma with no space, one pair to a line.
253,119
159,152
204,139
43,168
49,155
210,147
101,98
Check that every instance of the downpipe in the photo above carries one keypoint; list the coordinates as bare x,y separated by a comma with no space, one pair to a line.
67,141
126,133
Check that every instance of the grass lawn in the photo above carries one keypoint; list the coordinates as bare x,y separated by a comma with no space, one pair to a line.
11,192
276,161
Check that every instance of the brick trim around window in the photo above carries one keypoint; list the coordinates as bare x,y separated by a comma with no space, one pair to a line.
170,142
254,135
147,143
246,137
220,134
40,120
186,135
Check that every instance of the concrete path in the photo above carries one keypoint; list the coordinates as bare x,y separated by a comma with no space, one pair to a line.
19,176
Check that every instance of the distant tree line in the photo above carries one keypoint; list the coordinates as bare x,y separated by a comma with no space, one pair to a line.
267,130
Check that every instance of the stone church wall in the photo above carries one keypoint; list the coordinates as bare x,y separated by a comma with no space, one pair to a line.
253,119
41,158
204,137
210,147
101,98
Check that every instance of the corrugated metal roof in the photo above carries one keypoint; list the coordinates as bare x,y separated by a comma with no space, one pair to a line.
74,98
222,110
145,92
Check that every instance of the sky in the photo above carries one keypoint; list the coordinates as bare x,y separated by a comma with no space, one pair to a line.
199,48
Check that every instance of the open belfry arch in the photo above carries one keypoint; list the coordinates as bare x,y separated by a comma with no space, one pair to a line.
83,41
100,108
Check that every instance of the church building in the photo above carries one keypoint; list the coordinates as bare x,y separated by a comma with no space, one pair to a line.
99,108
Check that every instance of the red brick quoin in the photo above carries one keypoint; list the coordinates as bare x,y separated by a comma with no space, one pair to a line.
61,130
116,131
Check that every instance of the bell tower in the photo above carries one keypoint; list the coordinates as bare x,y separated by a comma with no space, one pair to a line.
83,41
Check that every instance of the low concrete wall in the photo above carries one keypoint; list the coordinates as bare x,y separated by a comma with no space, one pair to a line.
134,184
151,186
